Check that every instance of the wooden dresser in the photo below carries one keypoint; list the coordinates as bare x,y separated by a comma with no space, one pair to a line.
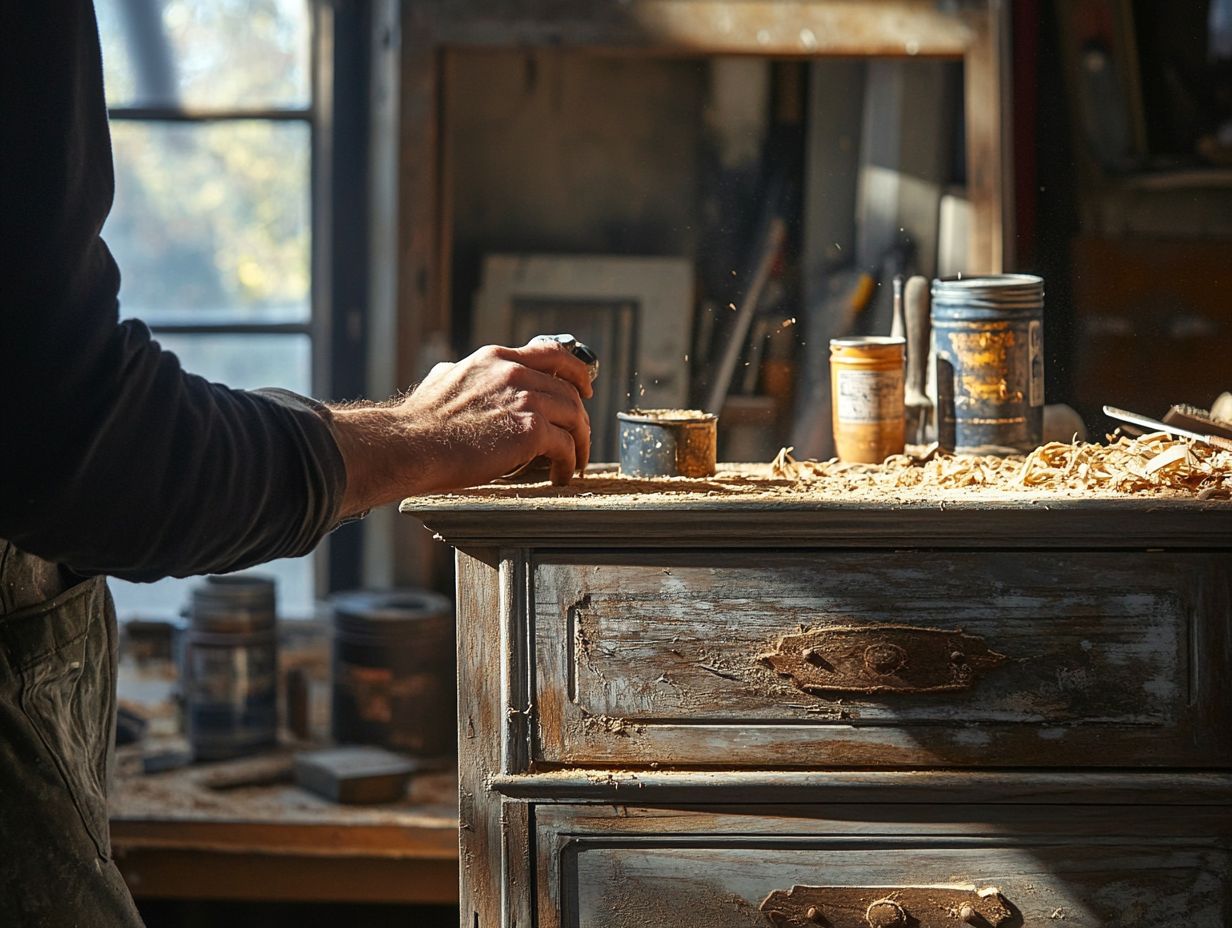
736,712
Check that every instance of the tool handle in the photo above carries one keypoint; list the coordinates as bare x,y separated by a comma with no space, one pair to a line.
896,321
918,329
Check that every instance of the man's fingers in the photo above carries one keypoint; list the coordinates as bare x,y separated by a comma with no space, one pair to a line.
563,408
559,448
554,358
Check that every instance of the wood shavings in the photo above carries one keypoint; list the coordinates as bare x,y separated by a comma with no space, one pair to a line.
1151,464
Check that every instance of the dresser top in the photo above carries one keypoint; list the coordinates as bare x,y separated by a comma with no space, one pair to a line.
748,506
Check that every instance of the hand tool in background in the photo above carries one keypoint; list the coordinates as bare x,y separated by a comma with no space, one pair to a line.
536,469
1203,421
917,328
897,325
1215,441
771,245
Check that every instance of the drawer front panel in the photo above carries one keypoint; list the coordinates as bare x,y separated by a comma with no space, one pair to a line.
895,658
1083,867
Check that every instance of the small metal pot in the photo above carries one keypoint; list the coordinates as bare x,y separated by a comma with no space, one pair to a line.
656,443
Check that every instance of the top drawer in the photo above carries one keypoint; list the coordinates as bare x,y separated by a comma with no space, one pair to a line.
821,659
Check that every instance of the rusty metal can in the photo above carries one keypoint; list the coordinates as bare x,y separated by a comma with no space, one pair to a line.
393,665
668,442
988,333
866,390
229,667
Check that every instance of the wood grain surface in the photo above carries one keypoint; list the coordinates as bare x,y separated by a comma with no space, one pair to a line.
657,657
1092,867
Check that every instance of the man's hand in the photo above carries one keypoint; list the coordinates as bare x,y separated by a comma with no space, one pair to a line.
469,423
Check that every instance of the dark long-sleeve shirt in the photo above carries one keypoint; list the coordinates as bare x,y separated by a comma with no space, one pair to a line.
112,458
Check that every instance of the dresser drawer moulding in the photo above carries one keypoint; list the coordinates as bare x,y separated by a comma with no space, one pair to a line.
1133,866
1102,659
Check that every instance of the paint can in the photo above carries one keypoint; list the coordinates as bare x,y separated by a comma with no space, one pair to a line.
393,668
866,390
988,333
229,667
668,442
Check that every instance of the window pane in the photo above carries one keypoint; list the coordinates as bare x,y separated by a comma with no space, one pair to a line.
202,55
165,599
212,219
246,362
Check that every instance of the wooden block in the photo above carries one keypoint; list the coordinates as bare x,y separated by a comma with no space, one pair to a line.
354,774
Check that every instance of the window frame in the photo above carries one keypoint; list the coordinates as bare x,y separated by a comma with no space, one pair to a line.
337,119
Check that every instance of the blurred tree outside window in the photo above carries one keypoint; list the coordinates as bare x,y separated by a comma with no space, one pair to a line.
212,124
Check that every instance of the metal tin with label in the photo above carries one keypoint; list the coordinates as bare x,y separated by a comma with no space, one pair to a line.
988,333
866,388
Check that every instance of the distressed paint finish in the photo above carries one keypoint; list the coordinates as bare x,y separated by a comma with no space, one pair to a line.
654,657
626,841
1085,866
571,521
480,843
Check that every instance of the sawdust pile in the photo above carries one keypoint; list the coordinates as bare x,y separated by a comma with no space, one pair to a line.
1151,464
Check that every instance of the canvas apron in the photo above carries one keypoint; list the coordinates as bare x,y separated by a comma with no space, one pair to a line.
57,729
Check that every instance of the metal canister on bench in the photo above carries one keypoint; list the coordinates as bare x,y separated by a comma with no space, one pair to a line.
988,333
668,442
866,388
394,671
229,667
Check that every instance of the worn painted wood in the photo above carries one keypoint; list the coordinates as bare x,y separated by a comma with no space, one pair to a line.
1133,867
571,521
517,881
663,658
988,111
480,725
1082,842
931,787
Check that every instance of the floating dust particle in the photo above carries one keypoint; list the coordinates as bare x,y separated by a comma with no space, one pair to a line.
731,306
788,323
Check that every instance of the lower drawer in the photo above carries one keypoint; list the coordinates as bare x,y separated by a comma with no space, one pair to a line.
887,866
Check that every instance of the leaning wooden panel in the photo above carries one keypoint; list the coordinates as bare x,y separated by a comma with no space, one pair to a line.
831,659
854,866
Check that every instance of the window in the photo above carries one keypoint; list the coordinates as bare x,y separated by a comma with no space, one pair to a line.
212,125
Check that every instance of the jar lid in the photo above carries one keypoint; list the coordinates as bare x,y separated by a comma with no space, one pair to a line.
1009,291
390,612
868,341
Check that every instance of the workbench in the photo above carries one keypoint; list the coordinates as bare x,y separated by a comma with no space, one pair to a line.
240,830
738,706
